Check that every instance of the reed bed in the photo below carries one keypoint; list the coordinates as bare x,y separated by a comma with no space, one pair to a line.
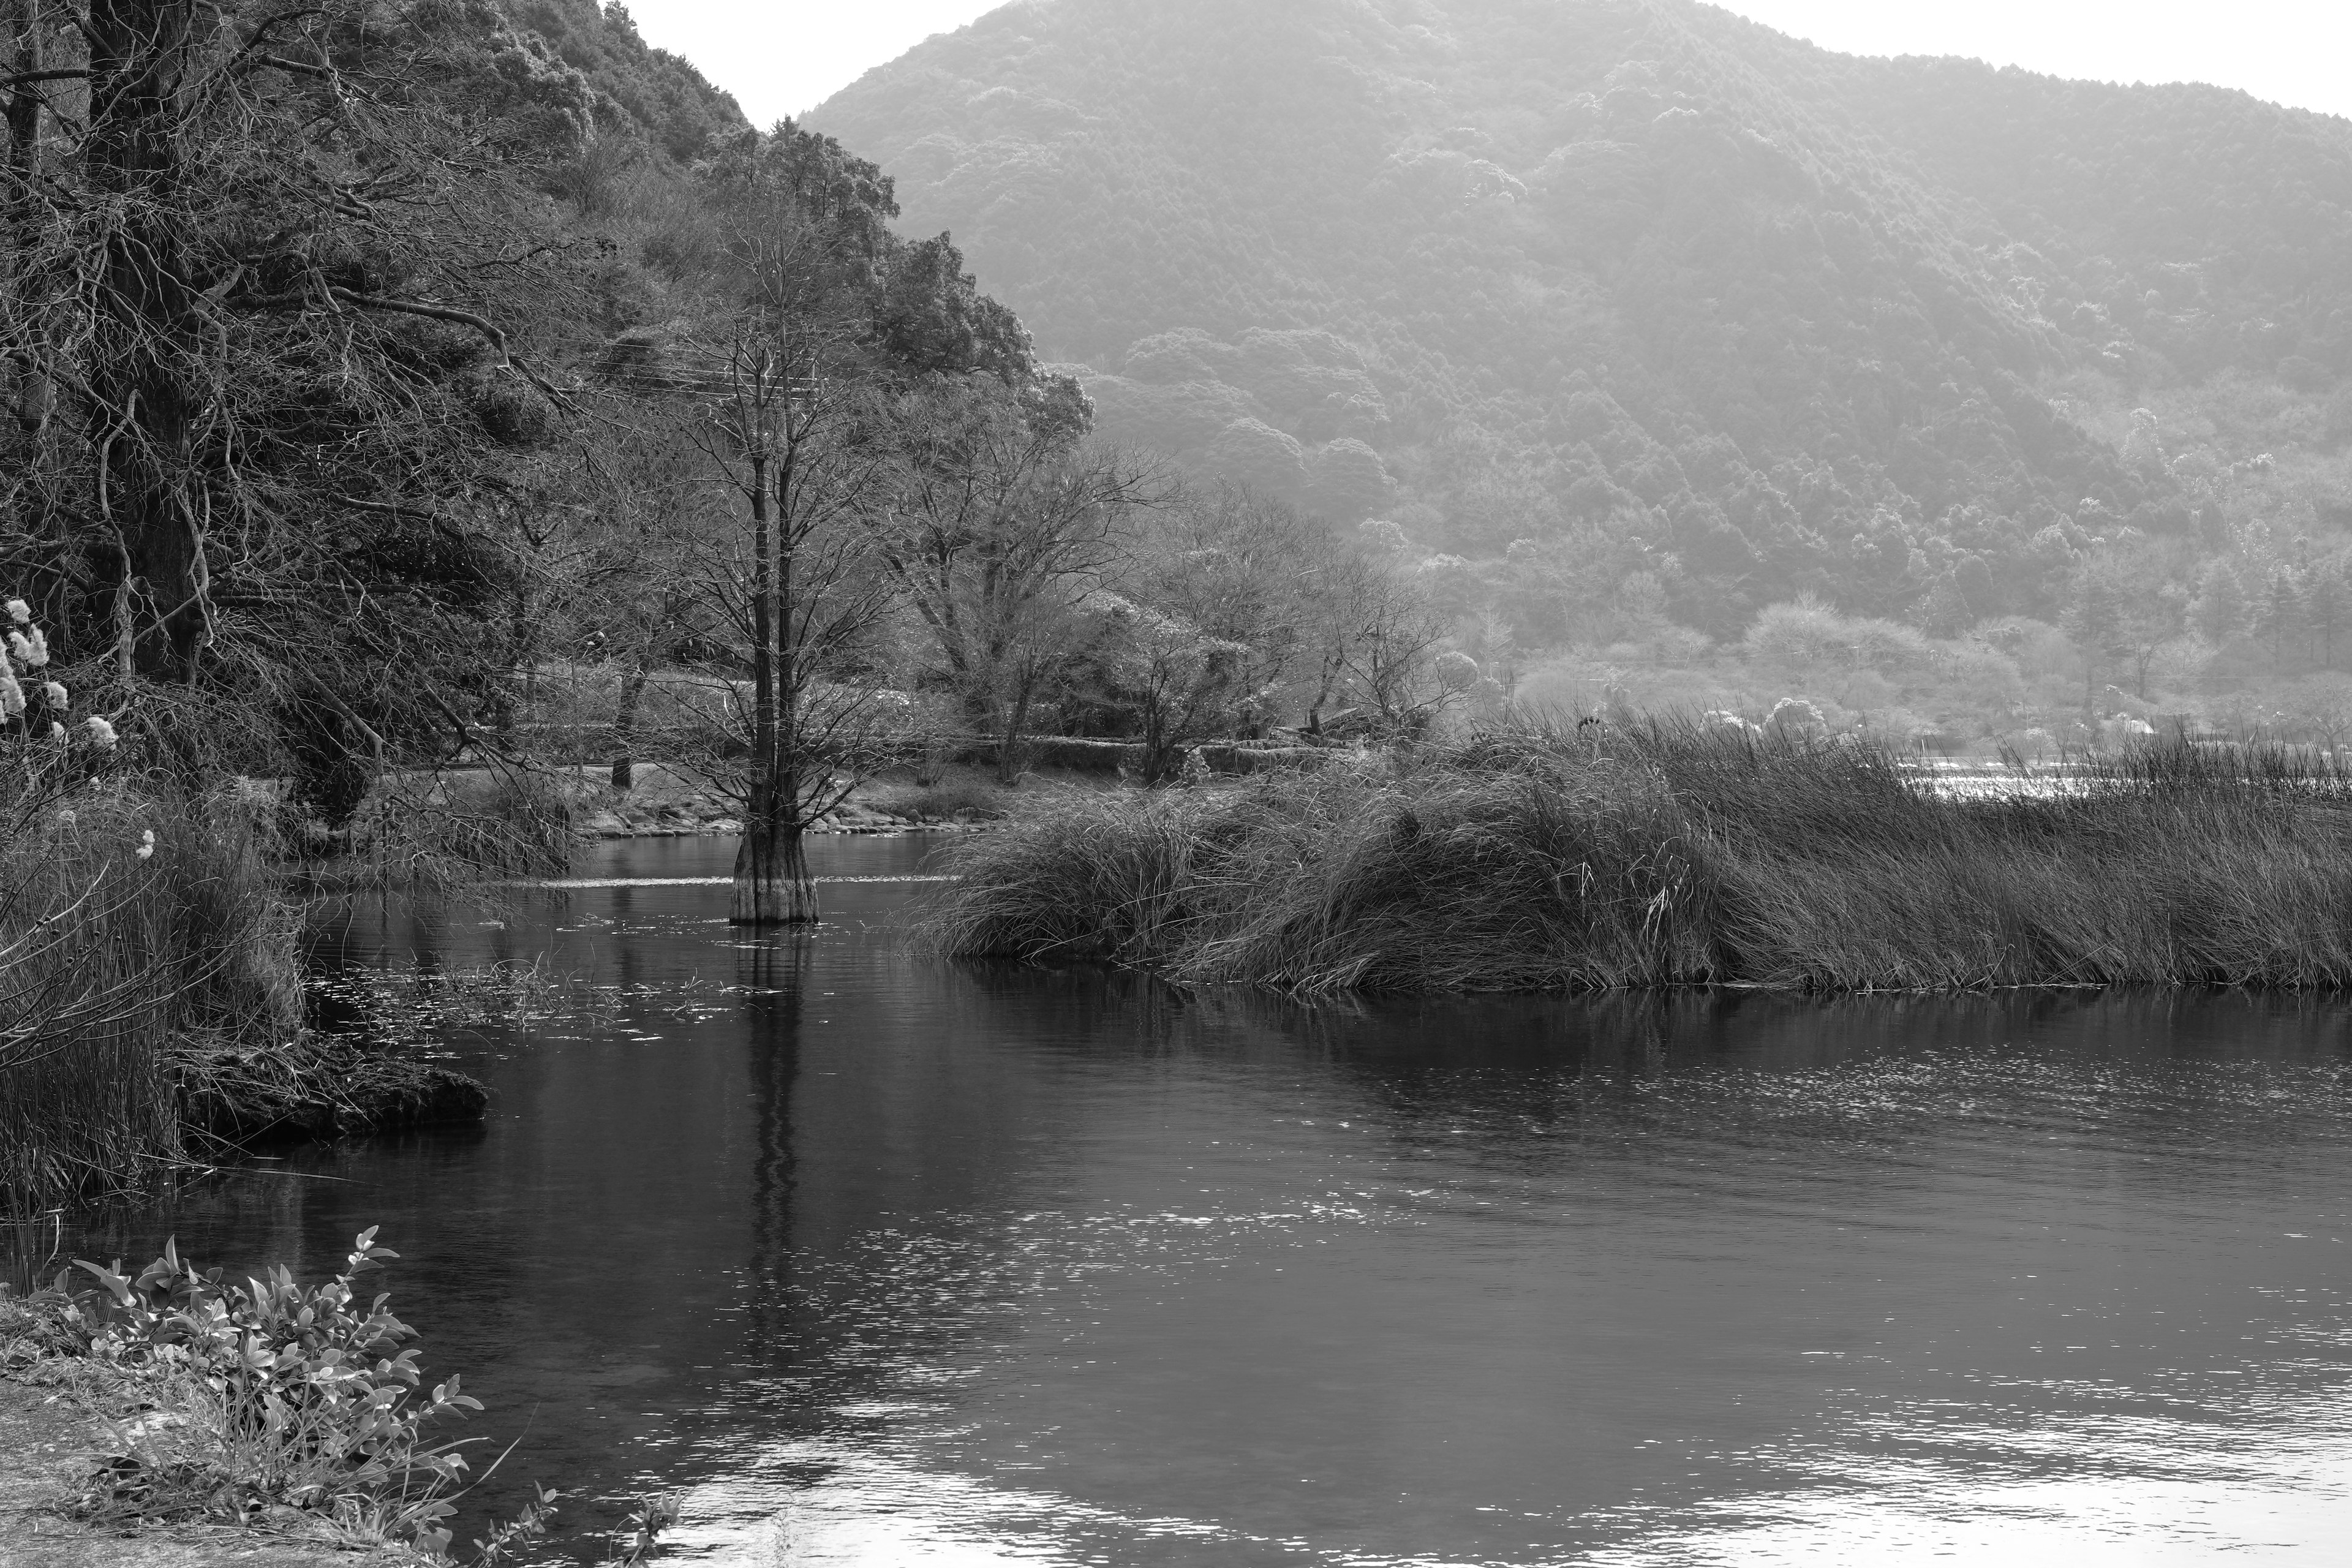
139,934
1665,854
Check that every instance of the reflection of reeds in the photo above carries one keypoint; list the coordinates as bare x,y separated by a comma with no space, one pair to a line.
1532,859
112,965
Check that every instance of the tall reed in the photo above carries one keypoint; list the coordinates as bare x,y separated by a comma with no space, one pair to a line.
139,927
1666,854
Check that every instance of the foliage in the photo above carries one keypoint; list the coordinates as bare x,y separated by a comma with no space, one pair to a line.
284,1397
1002,521
151,1004
652,102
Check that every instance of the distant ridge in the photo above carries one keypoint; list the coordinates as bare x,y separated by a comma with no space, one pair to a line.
1720,307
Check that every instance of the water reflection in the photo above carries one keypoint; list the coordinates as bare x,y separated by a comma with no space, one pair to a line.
896,1262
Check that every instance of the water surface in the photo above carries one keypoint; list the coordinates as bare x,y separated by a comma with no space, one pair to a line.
891,1262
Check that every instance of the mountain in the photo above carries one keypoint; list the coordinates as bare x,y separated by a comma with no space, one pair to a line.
1650,303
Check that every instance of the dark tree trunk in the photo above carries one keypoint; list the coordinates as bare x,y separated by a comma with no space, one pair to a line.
524,640
1009,755
772,876
625,726
147,358
32,389
771,879
980,709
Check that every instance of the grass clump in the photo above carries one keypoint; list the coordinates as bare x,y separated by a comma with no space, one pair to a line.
1532,859
136,930
151,1000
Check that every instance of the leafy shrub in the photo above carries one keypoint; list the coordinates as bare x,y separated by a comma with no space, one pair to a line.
275,1397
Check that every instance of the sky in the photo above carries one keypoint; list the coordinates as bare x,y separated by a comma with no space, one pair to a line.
784,57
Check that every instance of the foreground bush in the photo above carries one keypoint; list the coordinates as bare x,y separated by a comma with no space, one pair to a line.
1665,855
270,1403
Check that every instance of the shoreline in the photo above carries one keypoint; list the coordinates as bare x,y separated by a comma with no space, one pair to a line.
663,802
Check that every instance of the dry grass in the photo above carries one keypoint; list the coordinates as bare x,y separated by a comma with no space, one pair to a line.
110,960
1535,860
150,992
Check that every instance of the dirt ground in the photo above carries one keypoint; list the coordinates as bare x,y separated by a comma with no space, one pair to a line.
47,1440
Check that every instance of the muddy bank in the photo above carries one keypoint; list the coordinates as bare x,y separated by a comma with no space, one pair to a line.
312,1089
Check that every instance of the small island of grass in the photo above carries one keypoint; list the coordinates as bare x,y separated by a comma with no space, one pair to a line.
1532,859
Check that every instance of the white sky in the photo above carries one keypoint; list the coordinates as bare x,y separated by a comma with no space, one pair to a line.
784,57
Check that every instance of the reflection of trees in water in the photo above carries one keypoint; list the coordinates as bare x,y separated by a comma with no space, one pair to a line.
772,977
895,1170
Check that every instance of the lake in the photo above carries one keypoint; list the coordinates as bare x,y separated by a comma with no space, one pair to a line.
887,1260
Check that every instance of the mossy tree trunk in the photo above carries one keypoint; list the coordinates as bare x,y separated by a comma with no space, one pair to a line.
146,369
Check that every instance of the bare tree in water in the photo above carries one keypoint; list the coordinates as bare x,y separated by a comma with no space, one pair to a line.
805,595
800,427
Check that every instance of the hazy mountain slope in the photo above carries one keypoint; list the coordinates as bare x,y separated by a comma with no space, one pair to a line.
2192,221
1710,303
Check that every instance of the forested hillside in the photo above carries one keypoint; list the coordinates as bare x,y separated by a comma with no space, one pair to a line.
1637,320
375,369
361,360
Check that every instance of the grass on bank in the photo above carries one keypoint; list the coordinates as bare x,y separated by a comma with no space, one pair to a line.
1537,858
141,937
152,1009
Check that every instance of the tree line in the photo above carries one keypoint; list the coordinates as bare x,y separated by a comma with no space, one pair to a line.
365,360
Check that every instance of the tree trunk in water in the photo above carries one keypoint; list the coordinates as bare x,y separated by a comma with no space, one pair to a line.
149,341
772,879
624,727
